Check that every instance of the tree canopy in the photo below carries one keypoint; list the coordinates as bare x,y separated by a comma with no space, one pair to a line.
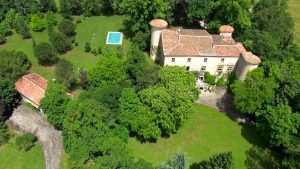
13,64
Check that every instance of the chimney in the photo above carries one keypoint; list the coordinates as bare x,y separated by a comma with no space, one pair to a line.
226,31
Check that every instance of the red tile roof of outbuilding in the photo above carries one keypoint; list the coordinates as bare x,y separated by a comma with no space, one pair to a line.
33,87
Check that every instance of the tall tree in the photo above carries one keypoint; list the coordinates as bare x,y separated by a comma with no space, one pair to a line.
254,92
47,5
67,27
64,73
9,98
110,70
54,104
277,124
198,10
61,42
13,64
22,27
45,53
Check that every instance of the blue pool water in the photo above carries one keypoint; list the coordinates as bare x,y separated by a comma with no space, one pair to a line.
114,38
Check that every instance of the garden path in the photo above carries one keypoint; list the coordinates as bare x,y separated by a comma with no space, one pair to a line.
26,120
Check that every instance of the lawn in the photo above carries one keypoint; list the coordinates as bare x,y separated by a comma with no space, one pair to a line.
294,7
97,26
12,158
204,134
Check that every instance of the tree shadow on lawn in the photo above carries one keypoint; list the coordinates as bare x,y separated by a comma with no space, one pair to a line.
250,133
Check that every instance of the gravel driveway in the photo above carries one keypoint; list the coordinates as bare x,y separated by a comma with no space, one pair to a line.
221,100
26,120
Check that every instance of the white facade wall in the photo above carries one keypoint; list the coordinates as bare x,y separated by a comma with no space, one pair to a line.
196,63
243,67
155,39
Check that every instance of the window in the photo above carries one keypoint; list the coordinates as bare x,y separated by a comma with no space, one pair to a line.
189,59
187,68
220,68
230,68
203,68
205,59
173,59
222,60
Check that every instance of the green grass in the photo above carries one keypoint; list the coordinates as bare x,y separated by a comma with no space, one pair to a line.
204,134
12,158
294,7
98,25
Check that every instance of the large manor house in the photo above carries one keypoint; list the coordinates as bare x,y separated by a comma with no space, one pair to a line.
197,50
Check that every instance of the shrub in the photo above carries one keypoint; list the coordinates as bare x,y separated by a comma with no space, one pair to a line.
87,47
4,134
99,50
37,23
60,42
26,141
221,82
210,79
45,53
95,52
67,27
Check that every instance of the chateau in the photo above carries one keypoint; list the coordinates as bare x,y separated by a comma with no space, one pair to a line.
197,50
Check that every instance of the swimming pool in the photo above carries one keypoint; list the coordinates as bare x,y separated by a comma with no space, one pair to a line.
114,38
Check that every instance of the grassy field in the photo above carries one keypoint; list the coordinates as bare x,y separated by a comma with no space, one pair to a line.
12,158
98,26
204,134
294,7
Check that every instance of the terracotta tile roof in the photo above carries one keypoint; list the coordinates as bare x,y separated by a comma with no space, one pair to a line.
226,29
33,87
251,58
193,42
159,23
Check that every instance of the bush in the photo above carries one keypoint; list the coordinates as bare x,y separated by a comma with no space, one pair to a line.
45,53
60,42
26,141
87,47
37,23
67,27
4,134
221,82
99,50
210,79
95,52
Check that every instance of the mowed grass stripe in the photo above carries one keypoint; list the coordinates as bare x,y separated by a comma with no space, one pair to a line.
294,8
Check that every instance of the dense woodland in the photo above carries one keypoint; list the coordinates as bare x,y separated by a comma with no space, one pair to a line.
126,95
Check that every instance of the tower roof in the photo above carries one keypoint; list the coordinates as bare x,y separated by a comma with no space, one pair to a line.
226,29
159,23
251,58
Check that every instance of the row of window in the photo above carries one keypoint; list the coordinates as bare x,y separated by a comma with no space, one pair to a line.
190,59
219,69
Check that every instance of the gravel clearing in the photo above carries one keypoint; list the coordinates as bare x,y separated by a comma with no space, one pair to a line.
24,119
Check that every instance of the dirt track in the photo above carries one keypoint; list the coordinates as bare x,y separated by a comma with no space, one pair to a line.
26,120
